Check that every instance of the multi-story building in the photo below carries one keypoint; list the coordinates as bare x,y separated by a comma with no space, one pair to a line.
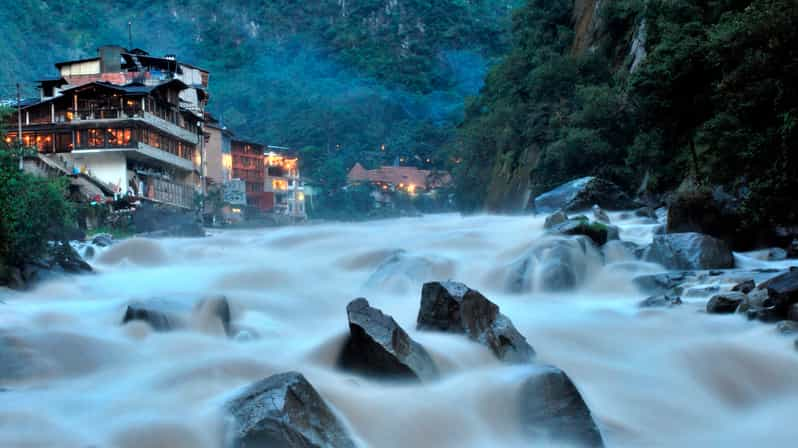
126,119
218,156
284,182
248,166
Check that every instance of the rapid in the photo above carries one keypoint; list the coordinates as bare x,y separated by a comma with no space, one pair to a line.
664,377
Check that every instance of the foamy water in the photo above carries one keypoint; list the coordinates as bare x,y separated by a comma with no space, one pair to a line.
670,377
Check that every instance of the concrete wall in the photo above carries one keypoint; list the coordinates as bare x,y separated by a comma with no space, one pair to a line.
81,68
108,167
217,145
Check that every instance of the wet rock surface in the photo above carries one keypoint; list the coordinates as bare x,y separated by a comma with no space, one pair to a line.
553,410
660,283
161,316
783,289
168,315
61,259
725,303
454,307
377,346
553,264
581,194
787,327
283,411
661,302
744,287
690,251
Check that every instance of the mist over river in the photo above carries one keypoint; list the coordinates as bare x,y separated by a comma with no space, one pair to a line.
651,377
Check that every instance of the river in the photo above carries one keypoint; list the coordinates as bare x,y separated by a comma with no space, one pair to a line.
652,377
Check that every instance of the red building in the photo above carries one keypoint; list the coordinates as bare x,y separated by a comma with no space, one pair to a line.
248,166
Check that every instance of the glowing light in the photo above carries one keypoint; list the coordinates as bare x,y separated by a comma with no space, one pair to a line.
300,196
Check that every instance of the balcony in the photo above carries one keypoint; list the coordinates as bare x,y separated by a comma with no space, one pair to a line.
106,115
144,152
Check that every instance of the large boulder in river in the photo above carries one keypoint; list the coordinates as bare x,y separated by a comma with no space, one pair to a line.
554,263
782,290
167,315
160,315
725,303
378,346
690,251
553,411
582,194
283,411
456,308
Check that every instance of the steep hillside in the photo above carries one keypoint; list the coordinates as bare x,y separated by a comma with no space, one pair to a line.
644,93
341,75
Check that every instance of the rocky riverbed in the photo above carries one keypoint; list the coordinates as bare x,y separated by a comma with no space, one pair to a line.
570,331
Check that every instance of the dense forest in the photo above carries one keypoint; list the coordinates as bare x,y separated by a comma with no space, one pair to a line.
643,93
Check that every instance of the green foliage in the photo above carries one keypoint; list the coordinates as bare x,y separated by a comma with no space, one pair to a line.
715,100
33,211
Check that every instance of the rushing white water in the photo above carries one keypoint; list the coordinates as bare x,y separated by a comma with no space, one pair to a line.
664,377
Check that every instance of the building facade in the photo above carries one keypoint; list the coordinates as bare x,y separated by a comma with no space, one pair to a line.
284,182
248,166
126,119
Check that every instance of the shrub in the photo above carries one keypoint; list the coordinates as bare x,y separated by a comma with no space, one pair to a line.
33,211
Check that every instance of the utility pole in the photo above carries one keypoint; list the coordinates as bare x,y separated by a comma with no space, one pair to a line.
19,127
129,35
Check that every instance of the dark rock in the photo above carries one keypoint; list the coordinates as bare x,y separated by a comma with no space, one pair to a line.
792,313
62,256
161,315
456,308
725,303
553,410
60,259
102,240
792,252
646,212
787,327
156,221
782,289
696,210
581,194
599,232
744,287
776,254
690,251
378,346
660,283
89,252
554,219
283,411
660,302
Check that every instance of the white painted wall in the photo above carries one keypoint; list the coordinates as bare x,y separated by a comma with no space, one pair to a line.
81,68
108,167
